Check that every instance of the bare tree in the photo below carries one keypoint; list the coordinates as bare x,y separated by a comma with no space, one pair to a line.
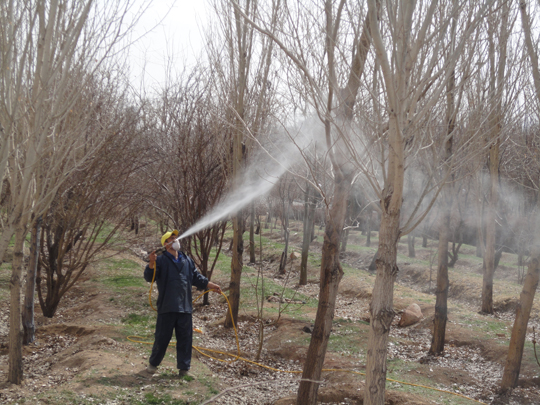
186,129
334,106
49,53
410,44
91,208
519,330
498,34
441,305
245,82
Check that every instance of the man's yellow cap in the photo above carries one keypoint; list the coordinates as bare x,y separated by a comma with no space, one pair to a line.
167,236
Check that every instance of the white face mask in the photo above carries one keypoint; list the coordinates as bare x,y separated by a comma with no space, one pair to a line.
176,245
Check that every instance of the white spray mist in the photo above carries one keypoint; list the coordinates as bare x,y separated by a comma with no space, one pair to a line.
263,173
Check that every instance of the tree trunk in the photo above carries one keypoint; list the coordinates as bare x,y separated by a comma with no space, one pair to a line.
344,241
268,216
204,272
441,303
373,265
489,254
455,254
530,284
29,327
480,213
252,258
496,86
368,231
381,308
410,244
15,373
307,228
286,234
479,246
236,270
331,274
519,331
312,231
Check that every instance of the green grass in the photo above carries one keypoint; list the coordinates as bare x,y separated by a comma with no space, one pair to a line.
70,397
136,319
123,279
209,384
403,371
119,274
165,399
223,261
348,338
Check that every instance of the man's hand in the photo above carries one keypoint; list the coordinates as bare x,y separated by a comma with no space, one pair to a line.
213,287
152,260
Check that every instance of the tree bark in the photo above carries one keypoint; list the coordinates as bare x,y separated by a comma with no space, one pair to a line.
252,258
368,231
496,86
236,270
286,234
15,372
530,284
381,308
455,254
479,242
344,241
243,37
519,331
29,328
410,245
331,274
489,253
307,228
441,303
268,219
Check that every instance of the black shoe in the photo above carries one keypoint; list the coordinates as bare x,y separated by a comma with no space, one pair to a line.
183,373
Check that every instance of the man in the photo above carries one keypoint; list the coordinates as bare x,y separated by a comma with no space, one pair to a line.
175,275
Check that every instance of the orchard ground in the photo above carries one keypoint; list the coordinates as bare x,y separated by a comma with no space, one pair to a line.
83,354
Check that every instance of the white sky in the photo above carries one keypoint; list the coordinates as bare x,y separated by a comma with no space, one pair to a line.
175,38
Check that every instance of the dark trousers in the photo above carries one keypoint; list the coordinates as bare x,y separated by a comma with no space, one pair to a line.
182,324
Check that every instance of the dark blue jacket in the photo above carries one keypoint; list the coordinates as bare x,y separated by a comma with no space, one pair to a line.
174,282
